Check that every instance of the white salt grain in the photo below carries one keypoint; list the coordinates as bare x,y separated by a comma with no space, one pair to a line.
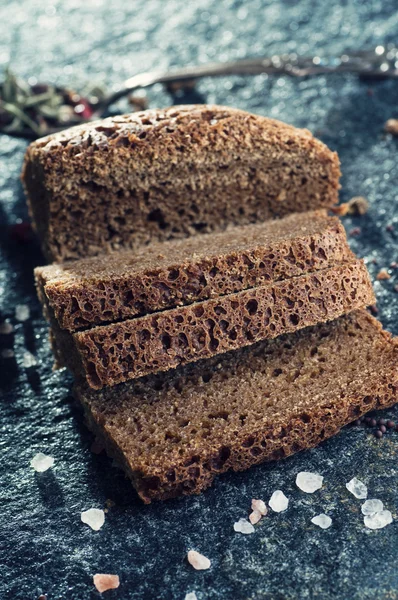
255,517
198,561
22,312
370,507
243,526
7,353
191,596
41,462
259,506
278,501
104,582
28,360
378,520
357,488
322,520
309,482
93,517
6,328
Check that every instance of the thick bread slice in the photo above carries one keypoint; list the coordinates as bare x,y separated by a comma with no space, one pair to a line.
165,174
174,432
111,354
164,275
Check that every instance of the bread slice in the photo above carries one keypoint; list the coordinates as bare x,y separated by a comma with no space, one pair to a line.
174,432
111,354
165,174
164,275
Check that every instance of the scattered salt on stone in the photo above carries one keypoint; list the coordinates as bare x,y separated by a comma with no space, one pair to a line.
191,596
357,488
370,507
22,312
28,360
7,353
198,561
259,506
309,482
104,582
93,517
322,520
41,462
6,328
255,517
378,520
278,501
243,526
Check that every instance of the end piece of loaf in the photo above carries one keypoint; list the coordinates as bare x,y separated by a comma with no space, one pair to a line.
174,432
111,354
164,275
129,180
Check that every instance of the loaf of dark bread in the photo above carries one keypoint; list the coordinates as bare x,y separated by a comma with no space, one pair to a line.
164,174
111,354
174,432
167,274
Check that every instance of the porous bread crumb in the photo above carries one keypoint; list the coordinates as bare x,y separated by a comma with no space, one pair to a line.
358,205
104,582
382,275
391,126
198,561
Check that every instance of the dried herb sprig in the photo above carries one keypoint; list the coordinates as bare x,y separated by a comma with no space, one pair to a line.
34,109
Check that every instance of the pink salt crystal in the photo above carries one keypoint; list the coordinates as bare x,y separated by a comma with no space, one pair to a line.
104,582
255,517
259,506
198,561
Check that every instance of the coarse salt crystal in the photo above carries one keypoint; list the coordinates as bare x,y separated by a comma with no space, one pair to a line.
191,596
198,561
41,462
309,482
7,353
259,505
22,312
104,582
6,328
243,526
93,517
322,520
28,360
255,517
357,488
278,501
378,520
370,507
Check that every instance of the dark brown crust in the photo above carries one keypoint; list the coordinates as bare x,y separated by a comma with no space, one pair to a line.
111,354
165,174
164,275
173,433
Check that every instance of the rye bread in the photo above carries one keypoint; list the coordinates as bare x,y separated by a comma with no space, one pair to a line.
174,432
111,354
129,180
164,275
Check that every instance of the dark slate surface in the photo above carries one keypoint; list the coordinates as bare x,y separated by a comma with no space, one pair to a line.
45,548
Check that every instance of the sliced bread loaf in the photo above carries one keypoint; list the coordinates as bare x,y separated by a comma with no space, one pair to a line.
164,275
110,354
174,432
164,174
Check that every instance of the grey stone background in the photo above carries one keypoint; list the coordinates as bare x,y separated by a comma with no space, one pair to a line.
45,547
